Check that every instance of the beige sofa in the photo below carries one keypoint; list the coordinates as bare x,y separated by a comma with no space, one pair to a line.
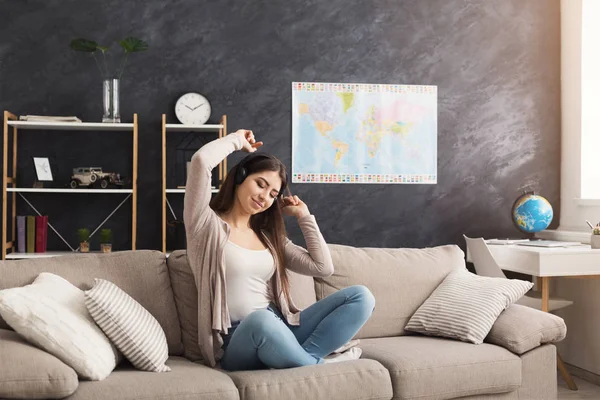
393,365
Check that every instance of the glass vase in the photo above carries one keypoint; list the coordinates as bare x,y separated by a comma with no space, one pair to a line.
110,97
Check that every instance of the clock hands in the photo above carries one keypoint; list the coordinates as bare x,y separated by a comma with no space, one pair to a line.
192,109
198,106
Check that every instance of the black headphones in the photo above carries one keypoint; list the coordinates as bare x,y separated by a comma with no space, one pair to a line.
242,173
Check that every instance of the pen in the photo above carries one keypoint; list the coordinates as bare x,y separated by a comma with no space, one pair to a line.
589,224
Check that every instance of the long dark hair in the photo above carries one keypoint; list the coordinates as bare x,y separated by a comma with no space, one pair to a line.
268,225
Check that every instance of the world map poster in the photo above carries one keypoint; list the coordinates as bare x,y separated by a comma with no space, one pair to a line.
364,133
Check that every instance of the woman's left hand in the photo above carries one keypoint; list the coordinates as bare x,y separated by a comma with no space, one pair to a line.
294,207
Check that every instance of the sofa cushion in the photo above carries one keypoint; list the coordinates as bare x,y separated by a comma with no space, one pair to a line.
186,299
354,380
134,331
435,368
186,381
400,280
465,306
141,273
51,314
185,294
520,329
31,373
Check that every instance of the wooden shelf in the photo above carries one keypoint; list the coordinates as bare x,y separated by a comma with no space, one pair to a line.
220,128
67,190
72,126
48,254
193,128
12,120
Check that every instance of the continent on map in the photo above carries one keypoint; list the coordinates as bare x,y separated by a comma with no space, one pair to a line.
324,112
341,148
347,100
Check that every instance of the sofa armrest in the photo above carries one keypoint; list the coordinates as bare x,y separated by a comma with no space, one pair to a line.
27,372
520,329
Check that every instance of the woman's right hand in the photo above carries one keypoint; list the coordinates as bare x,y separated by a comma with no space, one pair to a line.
250,145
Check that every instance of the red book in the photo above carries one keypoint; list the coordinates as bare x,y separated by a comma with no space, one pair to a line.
41,233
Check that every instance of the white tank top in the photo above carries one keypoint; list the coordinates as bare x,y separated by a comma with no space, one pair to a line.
247,273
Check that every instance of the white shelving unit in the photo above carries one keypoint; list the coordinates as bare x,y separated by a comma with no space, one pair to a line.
221,129
9,182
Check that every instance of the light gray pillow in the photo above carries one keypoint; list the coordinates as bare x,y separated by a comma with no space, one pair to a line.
132,329
521,328
465,306
27,372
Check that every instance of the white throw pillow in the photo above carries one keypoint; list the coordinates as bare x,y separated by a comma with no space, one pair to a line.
465,306
51,314
135,332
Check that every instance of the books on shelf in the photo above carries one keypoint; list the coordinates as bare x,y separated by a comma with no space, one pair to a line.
48,118
21,234
32,233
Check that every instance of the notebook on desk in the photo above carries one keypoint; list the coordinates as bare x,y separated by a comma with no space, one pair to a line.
550,243
505,241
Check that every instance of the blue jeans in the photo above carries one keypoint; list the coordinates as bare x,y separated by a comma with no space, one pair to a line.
265,340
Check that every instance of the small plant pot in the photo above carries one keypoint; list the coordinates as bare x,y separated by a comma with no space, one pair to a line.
595,242
106,247
84,247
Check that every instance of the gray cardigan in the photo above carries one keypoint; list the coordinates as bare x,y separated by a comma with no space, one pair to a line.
207,235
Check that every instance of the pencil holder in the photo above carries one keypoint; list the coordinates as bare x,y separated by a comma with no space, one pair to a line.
595,242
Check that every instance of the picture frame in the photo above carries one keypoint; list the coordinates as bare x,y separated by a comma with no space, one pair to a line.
43,170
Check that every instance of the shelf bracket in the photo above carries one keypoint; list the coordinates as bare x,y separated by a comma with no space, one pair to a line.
171,208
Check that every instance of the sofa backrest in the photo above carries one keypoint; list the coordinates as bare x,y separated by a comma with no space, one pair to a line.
400,279
142,274
186,299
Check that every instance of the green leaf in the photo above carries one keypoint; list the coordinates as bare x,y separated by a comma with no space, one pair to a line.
103,48
133,45
88,46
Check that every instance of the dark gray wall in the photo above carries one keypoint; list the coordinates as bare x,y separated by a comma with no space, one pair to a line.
496,65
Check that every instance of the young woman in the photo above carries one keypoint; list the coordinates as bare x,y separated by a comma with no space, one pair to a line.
239,253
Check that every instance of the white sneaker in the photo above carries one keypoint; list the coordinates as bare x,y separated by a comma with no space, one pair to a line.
353,354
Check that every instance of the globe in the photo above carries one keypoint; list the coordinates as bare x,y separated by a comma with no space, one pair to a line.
532,213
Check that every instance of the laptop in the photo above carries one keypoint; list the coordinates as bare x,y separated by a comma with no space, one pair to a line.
550,243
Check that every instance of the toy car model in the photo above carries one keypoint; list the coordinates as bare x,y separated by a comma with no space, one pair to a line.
94,176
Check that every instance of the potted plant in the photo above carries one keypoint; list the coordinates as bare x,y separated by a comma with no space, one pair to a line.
106,240
83,234
111,81
595,242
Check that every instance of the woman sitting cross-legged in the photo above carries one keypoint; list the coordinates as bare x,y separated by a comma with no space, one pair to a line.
239,254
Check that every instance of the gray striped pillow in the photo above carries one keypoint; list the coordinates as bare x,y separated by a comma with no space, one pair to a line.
465,306
131,328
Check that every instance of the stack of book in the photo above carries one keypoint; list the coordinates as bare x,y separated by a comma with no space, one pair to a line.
32,233
48,118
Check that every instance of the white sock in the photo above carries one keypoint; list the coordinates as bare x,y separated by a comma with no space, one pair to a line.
352,354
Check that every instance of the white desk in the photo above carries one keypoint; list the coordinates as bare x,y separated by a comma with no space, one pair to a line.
546,262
